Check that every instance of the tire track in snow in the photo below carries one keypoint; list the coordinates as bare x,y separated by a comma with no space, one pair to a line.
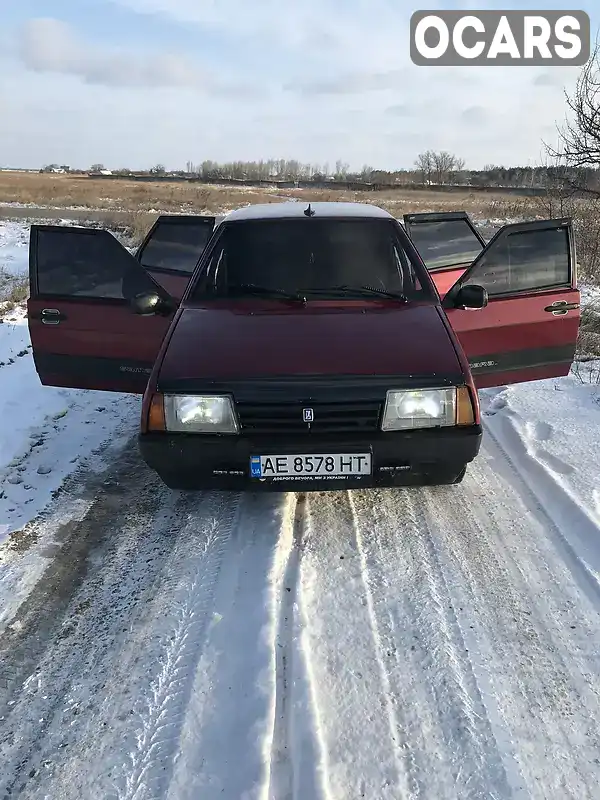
281,777
362,757
225,744
193,573
534,627
397,733
37,660
571,525
419,626
109,689
297,757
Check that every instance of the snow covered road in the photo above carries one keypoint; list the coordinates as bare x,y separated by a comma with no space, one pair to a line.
440,644
435,643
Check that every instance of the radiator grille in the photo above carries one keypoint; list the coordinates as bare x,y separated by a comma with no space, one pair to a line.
352,417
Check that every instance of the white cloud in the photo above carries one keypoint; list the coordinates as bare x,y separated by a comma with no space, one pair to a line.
475,115
317,80
353,83
50,45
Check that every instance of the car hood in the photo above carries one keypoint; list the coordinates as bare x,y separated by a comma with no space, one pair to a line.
363,339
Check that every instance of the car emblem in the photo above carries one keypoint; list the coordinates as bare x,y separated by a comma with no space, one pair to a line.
308,415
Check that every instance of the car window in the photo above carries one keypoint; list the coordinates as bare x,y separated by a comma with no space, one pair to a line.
445,243
176,246
525,261
309,254
84,263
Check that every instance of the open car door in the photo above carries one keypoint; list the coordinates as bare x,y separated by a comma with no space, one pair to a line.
84,332
448,242
172,249
528,330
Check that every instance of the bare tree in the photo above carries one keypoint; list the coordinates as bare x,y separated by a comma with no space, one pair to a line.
444,163
579,137
425,164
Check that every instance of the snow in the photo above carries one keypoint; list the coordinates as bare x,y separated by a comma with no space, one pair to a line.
46,433
439,642
14,248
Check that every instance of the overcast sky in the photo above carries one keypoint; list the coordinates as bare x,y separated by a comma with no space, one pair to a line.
131,83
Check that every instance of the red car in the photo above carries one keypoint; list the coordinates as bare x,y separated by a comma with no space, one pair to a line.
295,347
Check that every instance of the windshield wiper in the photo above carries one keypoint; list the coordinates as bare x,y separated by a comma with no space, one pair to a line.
265,291
361,290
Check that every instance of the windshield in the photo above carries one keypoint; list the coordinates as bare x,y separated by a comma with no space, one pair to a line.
445,243
325,258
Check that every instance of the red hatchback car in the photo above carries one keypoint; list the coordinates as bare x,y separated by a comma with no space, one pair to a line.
295,347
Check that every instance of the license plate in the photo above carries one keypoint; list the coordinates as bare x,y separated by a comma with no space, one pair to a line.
334,465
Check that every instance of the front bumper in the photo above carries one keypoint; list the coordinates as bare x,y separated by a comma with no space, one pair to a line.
223,462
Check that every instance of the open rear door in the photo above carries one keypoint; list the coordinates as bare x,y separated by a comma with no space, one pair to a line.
172,249
528,330
448,242
83,331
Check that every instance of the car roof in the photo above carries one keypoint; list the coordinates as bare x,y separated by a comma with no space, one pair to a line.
291,210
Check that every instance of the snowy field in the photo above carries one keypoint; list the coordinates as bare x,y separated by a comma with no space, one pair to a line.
437,643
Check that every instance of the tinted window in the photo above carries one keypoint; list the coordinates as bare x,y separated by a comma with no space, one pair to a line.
86,263
445,243
525,261
176,246
310,254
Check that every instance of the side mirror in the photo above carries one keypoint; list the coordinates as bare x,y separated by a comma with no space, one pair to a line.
149,303
472,297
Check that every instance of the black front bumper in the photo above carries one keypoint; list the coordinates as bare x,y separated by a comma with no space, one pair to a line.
223,462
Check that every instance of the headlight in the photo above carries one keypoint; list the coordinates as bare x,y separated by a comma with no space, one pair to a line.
200,414
419,408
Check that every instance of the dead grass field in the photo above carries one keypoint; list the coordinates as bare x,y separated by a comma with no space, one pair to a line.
66,191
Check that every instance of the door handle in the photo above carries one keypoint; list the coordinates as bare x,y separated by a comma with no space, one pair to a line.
51,316
561,307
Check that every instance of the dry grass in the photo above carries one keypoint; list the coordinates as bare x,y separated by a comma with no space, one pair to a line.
122,195
66,191
14,291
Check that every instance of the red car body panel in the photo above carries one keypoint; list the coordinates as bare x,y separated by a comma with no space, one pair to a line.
255,338
445,279
107,348
535,343
101,344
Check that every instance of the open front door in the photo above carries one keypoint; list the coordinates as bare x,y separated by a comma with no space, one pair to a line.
528,330
172,249
84,332
447,242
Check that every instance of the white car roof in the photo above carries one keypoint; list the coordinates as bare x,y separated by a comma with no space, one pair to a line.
296,210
